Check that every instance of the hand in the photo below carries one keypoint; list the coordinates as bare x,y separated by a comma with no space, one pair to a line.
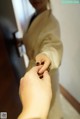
35,94
44,60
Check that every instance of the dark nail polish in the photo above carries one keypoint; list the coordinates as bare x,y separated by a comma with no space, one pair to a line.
41,77
42,63
37,64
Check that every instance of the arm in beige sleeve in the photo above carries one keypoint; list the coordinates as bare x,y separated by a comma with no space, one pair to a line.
53,47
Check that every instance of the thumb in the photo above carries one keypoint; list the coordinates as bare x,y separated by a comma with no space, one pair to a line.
34,70
37,68
47,79
46,76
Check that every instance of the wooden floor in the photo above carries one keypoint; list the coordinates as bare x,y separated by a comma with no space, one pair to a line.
9,98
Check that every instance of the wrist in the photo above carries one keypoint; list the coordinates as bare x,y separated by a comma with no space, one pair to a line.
29,115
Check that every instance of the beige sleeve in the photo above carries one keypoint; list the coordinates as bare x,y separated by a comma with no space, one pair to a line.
52,46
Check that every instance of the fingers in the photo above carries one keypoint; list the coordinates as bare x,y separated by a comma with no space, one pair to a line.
36,68
45,66
47,81
33,70
42,59
46,75
38,58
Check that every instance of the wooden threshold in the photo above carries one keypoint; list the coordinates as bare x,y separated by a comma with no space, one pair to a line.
70,98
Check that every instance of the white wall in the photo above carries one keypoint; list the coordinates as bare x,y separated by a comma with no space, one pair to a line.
23,11
69,19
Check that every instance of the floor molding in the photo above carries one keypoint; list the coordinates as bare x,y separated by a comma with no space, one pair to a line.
70,98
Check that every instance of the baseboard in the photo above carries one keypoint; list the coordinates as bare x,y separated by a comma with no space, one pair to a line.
70,98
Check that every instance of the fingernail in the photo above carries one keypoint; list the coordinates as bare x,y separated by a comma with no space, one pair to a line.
41,77
40,74
37,64
42,63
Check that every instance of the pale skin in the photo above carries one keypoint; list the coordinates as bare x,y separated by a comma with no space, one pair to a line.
35,95
40,6
43,58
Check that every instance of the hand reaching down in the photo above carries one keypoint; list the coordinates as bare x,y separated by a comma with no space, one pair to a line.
35,94
42,59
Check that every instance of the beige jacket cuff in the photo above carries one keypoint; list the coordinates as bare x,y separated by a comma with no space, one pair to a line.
53,56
